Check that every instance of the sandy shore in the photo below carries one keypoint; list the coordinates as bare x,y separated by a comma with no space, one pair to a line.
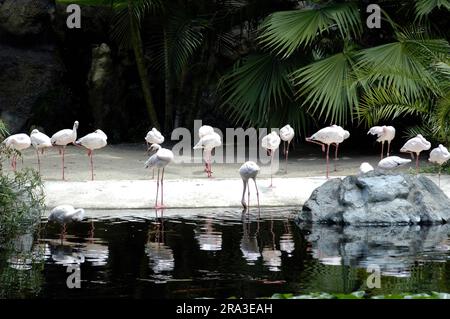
121,182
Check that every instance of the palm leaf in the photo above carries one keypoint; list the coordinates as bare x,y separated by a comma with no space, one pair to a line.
284,32
425,7
328,86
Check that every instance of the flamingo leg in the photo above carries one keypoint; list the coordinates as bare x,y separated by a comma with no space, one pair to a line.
63,153
243,196
389,147
91,156
39,160
417,162
318,143
257,196
162,188
382,149
336,156
248,201
328,160
271,165
157,190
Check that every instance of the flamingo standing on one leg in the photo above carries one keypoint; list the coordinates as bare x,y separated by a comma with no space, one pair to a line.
384,134
286,134
392,162
63,138
271,142
17,142
160,159
327,136
208,143
40,142
203,131
439,155
346,136
65,214
93,141
154,137
416,145
249,170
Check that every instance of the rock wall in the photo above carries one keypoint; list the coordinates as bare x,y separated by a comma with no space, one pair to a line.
376,198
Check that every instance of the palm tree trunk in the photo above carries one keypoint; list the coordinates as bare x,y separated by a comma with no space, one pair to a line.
142,69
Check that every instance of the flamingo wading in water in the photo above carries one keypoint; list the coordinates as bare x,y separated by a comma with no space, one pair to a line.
287,134
439,156
17,142
40,142
91,142
416,145
249,170
271,142
63,138
327,136
65,214
207,142
384,134
160,159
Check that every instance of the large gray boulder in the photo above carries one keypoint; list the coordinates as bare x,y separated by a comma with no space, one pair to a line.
376,198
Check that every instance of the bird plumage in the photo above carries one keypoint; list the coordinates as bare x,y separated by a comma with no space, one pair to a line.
205,130
392,162
160,158
93,141
384,133
416,145
65,136
209,141
65,214
287,133
271,141
154,137
439,155
40,140
329,135
249,170
18,142
365,168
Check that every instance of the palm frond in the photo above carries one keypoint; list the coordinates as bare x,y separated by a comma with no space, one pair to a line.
425,7
328,86
284,32
259,92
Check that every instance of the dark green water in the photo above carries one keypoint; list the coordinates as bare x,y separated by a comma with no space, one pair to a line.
201,256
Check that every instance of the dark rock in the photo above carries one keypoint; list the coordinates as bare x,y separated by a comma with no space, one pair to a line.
376,198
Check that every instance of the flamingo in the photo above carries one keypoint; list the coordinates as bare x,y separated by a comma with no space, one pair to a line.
439,155
40,142
17,142
93,141
327,136
392,162
365,168
271,142
249,170
208,142
203,131
384,134
416,145
63,138
160,159
346,136
154,137
65,214
286,134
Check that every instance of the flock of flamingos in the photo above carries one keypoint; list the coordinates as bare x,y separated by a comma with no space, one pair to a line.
160,157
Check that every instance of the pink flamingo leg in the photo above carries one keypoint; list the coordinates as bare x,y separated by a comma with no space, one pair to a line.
417,162
271,164
162,188
336,157
39,160
328,160
382,149
257,196
389,147
157,190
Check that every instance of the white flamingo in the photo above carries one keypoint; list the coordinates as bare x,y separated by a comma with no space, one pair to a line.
208,142
40,142
439,155
91,142
365,168
205,130
346,136
271,142
384,134
286,134
160,159
327,136
154,137
17,142
65,214
63,138
416,145
392,162
249,170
